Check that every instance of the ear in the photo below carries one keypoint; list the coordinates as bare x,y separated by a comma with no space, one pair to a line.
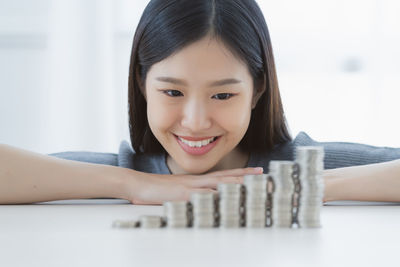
258,92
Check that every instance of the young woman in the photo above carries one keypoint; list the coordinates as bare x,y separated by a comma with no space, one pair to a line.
204,108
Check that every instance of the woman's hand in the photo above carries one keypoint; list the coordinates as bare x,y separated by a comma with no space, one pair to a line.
151,189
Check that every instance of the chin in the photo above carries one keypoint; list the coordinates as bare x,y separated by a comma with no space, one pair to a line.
196,169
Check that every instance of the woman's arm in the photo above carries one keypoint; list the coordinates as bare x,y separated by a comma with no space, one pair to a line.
371,182
28,177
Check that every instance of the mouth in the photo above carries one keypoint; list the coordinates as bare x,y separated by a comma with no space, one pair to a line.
200,147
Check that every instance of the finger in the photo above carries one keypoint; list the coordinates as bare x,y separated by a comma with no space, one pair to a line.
205,181
237,172
212,181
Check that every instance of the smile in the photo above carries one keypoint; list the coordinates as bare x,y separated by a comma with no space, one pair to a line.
199,143
197,147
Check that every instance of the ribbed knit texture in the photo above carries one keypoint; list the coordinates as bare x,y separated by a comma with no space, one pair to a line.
345,154
337,154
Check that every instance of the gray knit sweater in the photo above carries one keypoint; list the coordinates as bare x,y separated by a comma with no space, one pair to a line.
337,154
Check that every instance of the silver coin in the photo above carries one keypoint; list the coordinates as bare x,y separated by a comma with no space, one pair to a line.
313,199
229,211
309,212
229,189
150,221
255,218
175,205
255,223
309,152
230,224
228,215
226,203
282,203
202,196
281,172
255,178
203,224
177,224
287,223
125,224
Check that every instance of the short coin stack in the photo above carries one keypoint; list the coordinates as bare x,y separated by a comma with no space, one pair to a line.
229,207
204,207
125,224
281,172
310,160
255,200
150,221
176,214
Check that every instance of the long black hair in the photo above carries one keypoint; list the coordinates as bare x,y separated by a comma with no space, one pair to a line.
166,26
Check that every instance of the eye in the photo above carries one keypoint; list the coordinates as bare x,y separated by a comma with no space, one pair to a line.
224,96
172,93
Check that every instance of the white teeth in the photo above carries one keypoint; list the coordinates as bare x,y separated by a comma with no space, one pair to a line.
204,142
197,143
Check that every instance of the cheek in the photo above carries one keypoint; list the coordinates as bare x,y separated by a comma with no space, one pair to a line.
234,118
160,116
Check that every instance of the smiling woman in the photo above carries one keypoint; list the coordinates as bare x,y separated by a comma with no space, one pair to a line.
204,41
204,109
214,82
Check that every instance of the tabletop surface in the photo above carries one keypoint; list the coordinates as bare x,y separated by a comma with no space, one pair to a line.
79,233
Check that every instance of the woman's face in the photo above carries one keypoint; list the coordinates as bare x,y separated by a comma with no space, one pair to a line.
197,107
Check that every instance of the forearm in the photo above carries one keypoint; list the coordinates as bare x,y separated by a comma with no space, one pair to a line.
372,182
28,177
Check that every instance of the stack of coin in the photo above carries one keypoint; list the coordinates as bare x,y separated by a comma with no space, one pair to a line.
150,221
229,205
270,184
176,214
255,200
125,224
203,209
311,162
281,172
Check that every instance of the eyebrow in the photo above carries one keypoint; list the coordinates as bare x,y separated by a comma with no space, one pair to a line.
212,84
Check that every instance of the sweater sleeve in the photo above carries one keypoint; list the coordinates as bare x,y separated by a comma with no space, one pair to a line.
124,158
89,157
345,154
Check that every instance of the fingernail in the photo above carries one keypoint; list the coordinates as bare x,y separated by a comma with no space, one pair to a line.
259,169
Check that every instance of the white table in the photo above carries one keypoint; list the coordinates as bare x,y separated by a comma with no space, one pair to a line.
79,233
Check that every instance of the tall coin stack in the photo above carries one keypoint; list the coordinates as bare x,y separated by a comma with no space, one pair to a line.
281,172
229,205
255,200
176,213
204,207
311,162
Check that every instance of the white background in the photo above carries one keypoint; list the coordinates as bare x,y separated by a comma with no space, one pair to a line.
64,70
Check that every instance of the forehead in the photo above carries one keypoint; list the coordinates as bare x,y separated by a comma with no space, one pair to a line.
201,62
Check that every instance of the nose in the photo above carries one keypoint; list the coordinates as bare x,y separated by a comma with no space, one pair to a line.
196,116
